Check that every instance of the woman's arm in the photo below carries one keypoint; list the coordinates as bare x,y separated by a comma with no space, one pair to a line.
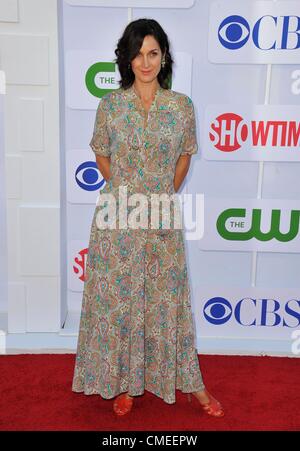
182,167
103,164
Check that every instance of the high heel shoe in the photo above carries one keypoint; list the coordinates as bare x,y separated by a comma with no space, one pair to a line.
122,404
213,407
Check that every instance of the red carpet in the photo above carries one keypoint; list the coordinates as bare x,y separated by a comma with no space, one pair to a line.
258,393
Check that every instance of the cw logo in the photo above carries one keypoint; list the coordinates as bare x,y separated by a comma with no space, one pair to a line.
106,72
255,229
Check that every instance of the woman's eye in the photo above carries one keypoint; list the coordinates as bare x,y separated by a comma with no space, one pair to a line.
152,54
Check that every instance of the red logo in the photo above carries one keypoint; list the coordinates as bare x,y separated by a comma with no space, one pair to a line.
80,262
229,131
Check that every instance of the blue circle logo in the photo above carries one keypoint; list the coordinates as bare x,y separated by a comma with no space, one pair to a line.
234,32
87,176
217,310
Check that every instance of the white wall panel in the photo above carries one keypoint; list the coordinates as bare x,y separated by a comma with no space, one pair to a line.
42,306
25,59
31,124
17,321
29,57
45,174
39,240
3,216
12,222
13,176
9,11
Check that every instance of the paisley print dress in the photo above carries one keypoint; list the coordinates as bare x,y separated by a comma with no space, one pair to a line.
136,329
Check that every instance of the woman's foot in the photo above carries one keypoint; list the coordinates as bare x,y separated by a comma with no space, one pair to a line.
123,404
208,403
202,396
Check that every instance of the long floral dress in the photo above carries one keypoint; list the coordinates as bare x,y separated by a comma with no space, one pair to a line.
136,330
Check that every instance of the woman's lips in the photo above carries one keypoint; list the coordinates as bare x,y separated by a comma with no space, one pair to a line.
146,71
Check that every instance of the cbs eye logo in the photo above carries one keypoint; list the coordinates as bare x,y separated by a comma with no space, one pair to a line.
88,177
217,311
234,32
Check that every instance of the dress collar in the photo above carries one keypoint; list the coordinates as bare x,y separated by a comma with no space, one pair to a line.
132,96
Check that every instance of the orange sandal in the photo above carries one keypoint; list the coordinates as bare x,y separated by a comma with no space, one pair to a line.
213,407
122,404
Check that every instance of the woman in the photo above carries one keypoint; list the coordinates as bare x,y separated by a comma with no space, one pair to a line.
136,329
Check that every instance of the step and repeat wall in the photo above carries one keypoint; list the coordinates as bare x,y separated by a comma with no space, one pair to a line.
240,64
3,231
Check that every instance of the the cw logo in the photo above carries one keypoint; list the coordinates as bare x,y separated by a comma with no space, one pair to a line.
255,229
106,72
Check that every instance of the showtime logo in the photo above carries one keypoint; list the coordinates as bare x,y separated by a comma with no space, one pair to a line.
229,131
79,266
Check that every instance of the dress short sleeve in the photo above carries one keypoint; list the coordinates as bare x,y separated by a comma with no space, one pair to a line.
100,141
189,145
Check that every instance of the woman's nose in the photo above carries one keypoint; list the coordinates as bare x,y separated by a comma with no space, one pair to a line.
145,62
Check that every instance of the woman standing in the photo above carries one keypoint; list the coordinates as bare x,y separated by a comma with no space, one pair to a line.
136,330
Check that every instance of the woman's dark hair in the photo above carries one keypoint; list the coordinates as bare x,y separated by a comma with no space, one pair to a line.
129,46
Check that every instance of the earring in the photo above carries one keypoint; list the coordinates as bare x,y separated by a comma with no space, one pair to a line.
163,63
129,66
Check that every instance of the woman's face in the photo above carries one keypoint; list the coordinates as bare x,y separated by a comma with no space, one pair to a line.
147,64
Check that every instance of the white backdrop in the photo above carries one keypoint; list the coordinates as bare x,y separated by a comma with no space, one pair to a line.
3,236
239,62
